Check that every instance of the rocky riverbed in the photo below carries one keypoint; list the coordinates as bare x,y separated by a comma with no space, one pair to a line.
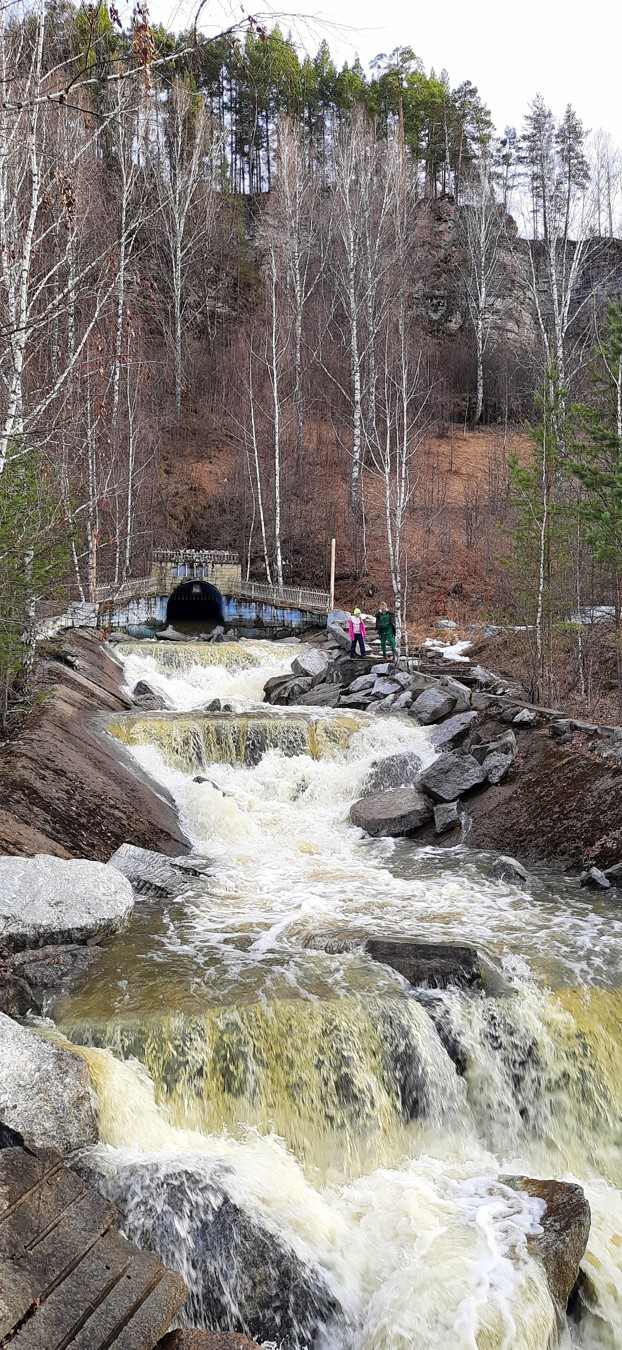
359,1040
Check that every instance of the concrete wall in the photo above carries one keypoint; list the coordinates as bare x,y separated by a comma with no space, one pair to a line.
237,611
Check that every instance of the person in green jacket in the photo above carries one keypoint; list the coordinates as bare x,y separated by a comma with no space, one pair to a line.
385,627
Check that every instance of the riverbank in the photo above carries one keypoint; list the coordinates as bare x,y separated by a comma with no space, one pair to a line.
67,789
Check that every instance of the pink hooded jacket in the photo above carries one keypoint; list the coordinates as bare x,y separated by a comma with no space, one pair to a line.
351,628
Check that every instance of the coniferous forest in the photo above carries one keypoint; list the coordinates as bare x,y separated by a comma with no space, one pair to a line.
250,300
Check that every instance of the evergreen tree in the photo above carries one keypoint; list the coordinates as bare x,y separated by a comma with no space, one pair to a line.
597,462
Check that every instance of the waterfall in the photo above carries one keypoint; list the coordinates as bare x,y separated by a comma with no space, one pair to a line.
318,1148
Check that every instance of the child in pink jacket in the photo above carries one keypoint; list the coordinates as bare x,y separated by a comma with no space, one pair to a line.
356,629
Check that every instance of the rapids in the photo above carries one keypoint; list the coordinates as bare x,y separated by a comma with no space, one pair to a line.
316,1150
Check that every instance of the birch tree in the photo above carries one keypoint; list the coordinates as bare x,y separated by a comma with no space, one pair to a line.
482,227
183,167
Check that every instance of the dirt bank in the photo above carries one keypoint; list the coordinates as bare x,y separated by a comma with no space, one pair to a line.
67,788
560,806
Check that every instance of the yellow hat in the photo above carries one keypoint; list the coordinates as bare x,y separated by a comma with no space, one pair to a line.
357,611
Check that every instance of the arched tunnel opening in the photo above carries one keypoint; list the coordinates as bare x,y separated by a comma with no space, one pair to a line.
195,603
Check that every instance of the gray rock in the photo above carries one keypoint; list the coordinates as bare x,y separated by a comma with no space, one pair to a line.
214,705
502,745
481,701
403,678
434,964
508,869
142,688
446,816
525,718
230,636
403,701
450,776
446,623
58,967
311,662
45,1090
240,1270
433,704
216,634
496,767
362,682
383,668
483,677
382,688
461,694
321,696
595,880
382,705
614,874
150,703
291,689
339,636
561,727
391,813
149,873
393,771
446,733
564,1231
46,899
358,701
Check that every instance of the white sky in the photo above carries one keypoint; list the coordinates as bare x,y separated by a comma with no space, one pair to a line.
567,50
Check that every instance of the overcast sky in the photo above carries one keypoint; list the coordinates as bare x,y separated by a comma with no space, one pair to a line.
568,51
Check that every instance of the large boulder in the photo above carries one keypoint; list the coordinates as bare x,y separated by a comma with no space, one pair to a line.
149,873
45,1090
384,687
311,662
460,691
339,636
46,899
394,771
433,964
391,813
450,776
290,689
243,1275
433,704
565,1229
362,683
321,696
273,687
447,733
501,745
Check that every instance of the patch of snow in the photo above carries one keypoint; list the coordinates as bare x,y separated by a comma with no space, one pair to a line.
451,651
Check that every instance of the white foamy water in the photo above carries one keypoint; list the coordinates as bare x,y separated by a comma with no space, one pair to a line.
257,1049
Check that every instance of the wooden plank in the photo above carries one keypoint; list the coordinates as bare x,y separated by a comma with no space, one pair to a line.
21,1171
38,1271
38,1211
155,1315
54,1324
107,1322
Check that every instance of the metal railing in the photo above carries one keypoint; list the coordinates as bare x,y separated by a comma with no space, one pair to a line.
298,597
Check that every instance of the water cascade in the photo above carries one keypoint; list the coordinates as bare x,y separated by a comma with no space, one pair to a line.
318,1148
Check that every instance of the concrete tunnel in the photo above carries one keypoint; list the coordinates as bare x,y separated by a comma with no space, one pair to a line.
195,602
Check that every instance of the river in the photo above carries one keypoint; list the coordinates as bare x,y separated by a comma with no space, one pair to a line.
279,1116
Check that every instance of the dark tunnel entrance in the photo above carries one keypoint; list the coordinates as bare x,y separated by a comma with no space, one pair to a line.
196,603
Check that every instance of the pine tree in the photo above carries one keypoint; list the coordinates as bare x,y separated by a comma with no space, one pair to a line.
597,462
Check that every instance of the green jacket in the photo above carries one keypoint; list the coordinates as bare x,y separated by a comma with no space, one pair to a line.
385,622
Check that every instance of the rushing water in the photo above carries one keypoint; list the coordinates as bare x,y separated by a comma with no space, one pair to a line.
318,1151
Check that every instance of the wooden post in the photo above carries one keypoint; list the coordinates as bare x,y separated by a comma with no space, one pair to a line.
332,574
